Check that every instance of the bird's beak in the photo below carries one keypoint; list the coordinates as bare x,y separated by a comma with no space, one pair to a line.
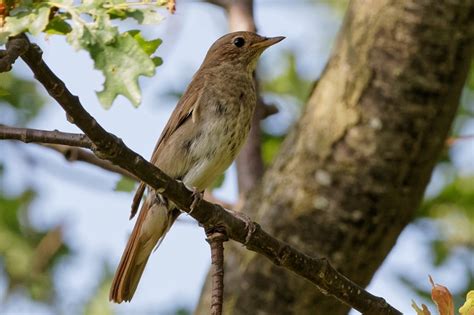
268,41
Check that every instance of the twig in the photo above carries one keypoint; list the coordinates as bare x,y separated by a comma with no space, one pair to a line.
63,142
240,15
73,154
55,137
16,46
108,146
268,110
216,238
455,139
220,3
250,162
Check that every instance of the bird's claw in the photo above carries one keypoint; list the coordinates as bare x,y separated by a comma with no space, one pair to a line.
162,199
250,226
197,197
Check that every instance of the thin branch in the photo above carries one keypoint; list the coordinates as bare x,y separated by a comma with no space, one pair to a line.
249,161
455,139
268,110
15,47
238,228
73,154
63,142
216,239
240,15
42,136
221,3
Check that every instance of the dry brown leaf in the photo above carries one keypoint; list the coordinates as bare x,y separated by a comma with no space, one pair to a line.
172,6
442,298
419,311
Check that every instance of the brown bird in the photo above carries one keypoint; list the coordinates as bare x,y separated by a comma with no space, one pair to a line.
200,140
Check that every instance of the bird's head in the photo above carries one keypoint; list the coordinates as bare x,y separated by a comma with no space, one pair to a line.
239,49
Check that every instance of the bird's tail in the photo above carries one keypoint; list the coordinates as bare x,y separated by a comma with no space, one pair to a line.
154,221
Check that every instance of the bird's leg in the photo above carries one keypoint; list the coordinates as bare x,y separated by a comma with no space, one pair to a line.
197,197
162,199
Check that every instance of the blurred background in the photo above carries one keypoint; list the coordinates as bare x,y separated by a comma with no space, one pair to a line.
63,225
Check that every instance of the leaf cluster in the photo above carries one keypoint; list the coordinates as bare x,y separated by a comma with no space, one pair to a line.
89,25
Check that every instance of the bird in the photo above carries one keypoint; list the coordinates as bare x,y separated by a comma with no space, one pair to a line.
199,142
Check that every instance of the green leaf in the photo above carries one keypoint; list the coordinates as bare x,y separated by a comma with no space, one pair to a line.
182,311
145,16
122,58
148,46
452,211
457,195
157,61
31,19
125,184
58,26
122,62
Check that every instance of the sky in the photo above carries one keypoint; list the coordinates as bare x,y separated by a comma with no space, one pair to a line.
95,216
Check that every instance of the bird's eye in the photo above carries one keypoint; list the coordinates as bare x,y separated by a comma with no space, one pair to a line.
239,42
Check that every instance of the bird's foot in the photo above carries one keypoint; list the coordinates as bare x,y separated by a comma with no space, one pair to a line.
250,226
197,197
161,199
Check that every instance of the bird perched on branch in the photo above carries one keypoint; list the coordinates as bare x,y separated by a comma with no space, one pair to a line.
201,139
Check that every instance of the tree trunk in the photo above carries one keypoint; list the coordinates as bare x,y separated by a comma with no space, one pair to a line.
353,170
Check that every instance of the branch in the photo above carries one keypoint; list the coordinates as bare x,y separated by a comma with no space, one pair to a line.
268,110
63,142
238,228
16,46
216,239
42,136
455,139
221,3
73,154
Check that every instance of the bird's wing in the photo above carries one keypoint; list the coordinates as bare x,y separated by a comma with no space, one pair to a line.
186,108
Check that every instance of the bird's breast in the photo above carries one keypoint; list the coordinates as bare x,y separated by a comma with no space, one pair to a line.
225,123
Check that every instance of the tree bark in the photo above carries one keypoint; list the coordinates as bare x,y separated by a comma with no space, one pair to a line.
354,168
